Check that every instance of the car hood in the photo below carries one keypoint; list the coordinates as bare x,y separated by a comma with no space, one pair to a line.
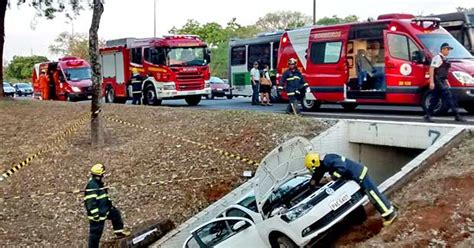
8,89
465,65
219,86
283,163
81,83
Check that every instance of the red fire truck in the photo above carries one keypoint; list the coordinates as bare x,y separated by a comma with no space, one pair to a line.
376,62
173,67
69,79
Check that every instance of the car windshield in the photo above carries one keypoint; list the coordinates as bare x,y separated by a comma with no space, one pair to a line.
6,85
23,86
287,195
78,74
216,80
433,42
190,56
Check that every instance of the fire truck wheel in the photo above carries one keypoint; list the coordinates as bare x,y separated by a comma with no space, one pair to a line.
109,95
310,105
441,107
349,106
150,96
193,100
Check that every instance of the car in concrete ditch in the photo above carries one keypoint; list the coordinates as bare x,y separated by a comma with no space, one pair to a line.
282,210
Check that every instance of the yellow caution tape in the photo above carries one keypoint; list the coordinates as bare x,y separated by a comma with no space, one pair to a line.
156,183
227,154
48,147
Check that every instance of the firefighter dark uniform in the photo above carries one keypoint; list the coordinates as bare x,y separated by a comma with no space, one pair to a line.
441,86
341,167
99,208
295,86
137,82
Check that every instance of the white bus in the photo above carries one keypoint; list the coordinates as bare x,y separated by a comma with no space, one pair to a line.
244,52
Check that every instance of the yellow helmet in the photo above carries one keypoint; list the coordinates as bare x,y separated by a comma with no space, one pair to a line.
311,161
134,70
98,170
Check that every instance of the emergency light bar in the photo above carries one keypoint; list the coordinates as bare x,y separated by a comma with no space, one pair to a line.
420,21
181,36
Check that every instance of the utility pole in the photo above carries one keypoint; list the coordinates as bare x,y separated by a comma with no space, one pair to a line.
154,18
314,12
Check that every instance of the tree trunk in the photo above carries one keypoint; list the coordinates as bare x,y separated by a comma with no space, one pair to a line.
3,9
96,128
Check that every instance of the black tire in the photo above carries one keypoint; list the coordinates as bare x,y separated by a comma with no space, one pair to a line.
469,107
349,106
229,96
193,100
150,96
441,107
71,98
109,94
310,105
283,242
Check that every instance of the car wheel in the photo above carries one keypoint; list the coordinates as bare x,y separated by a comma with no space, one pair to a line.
310,105
284,242
469,108
193,100
150,96
349,106
441,107
70,98
109,95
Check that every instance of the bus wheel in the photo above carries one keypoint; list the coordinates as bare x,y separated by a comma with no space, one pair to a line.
349,106
109,95
441,107
193,100
310,105
150,96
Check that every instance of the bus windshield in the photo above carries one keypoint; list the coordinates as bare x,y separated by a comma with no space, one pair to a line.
433,42
78,74
186,56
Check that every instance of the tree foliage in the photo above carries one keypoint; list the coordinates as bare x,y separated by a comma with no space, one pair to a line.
463,9
281,20
21,68
337,20
72,45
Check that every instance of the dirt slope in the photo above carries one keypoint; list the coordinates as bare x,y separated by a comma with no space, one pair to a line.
132,156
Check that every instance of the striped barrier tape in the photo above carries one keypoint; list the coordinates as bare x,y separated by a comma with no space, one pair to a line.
49,147
78,191
227,154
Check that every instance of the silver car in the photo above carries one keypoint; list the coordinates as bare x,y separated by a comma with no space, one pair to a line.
8,90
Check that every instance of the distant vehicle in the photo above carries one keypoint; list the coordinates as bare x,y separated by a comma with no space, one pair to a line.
70,79
461,26
244,52
282,210
23,89
173,67
8,89
219,88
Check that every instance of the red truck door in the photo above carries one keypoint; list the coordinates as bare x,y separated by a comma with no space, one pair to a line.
405,72
327,70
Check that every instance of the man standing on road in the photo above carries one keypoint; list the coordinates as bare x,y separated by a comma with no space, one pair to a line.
439,84
255,78
294,81
136,82
99,208
340,167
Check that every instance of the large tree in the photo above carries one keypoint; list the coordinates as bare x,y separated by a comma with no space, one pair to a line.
463,9
72,45
281,20
49,9
20,68
337,20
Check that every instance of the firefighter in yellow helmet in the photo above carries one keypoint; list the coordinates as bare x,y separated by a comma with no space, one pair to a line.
137,82
341,167
99,208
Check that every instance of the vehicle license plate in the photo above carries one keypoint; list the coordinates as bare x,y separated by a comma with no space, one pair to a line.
339,202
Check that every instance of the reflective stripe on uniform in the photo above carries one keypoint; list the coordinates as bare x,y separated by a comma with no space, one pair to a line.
135,92
95,210
363,173
381,204
388,212
336,174
95,219
102,196
293,78
90,196
119,231
291,93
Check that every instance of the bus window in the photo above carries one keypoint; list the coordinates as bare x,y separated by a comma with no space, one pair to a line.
326,52
238,55
260,53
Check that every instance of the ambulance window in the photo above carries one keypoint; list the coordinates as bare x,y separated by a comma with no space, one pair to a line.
401,47
238,56
136,55
326,52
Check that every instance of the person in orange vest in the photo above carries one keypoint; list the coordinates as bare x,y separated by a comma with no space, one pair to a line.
44,85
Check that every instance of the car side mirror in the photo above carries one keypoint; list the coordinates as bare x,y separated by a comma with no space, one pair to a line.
207,56
239,225
418,57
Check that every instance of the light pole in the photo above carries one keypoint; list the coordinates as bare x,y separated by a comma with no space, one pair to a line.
314,12
154,18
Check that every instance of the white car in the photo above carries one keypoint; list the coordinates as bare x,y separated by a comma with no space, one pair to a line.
8,90
283,210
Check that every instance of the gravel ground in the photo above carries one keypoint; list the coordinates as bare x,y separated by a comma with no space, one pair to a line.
131,156
436,208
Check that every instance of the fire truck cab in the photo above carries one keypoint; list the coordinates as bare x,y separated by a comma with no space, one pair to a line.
377,62
172,67
69,79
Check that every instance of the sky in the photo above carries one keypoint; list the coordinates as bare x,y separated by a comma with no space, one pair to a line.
27,35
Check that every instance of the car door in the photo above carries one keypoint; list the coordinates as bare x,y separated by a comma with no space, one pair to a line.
228,232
